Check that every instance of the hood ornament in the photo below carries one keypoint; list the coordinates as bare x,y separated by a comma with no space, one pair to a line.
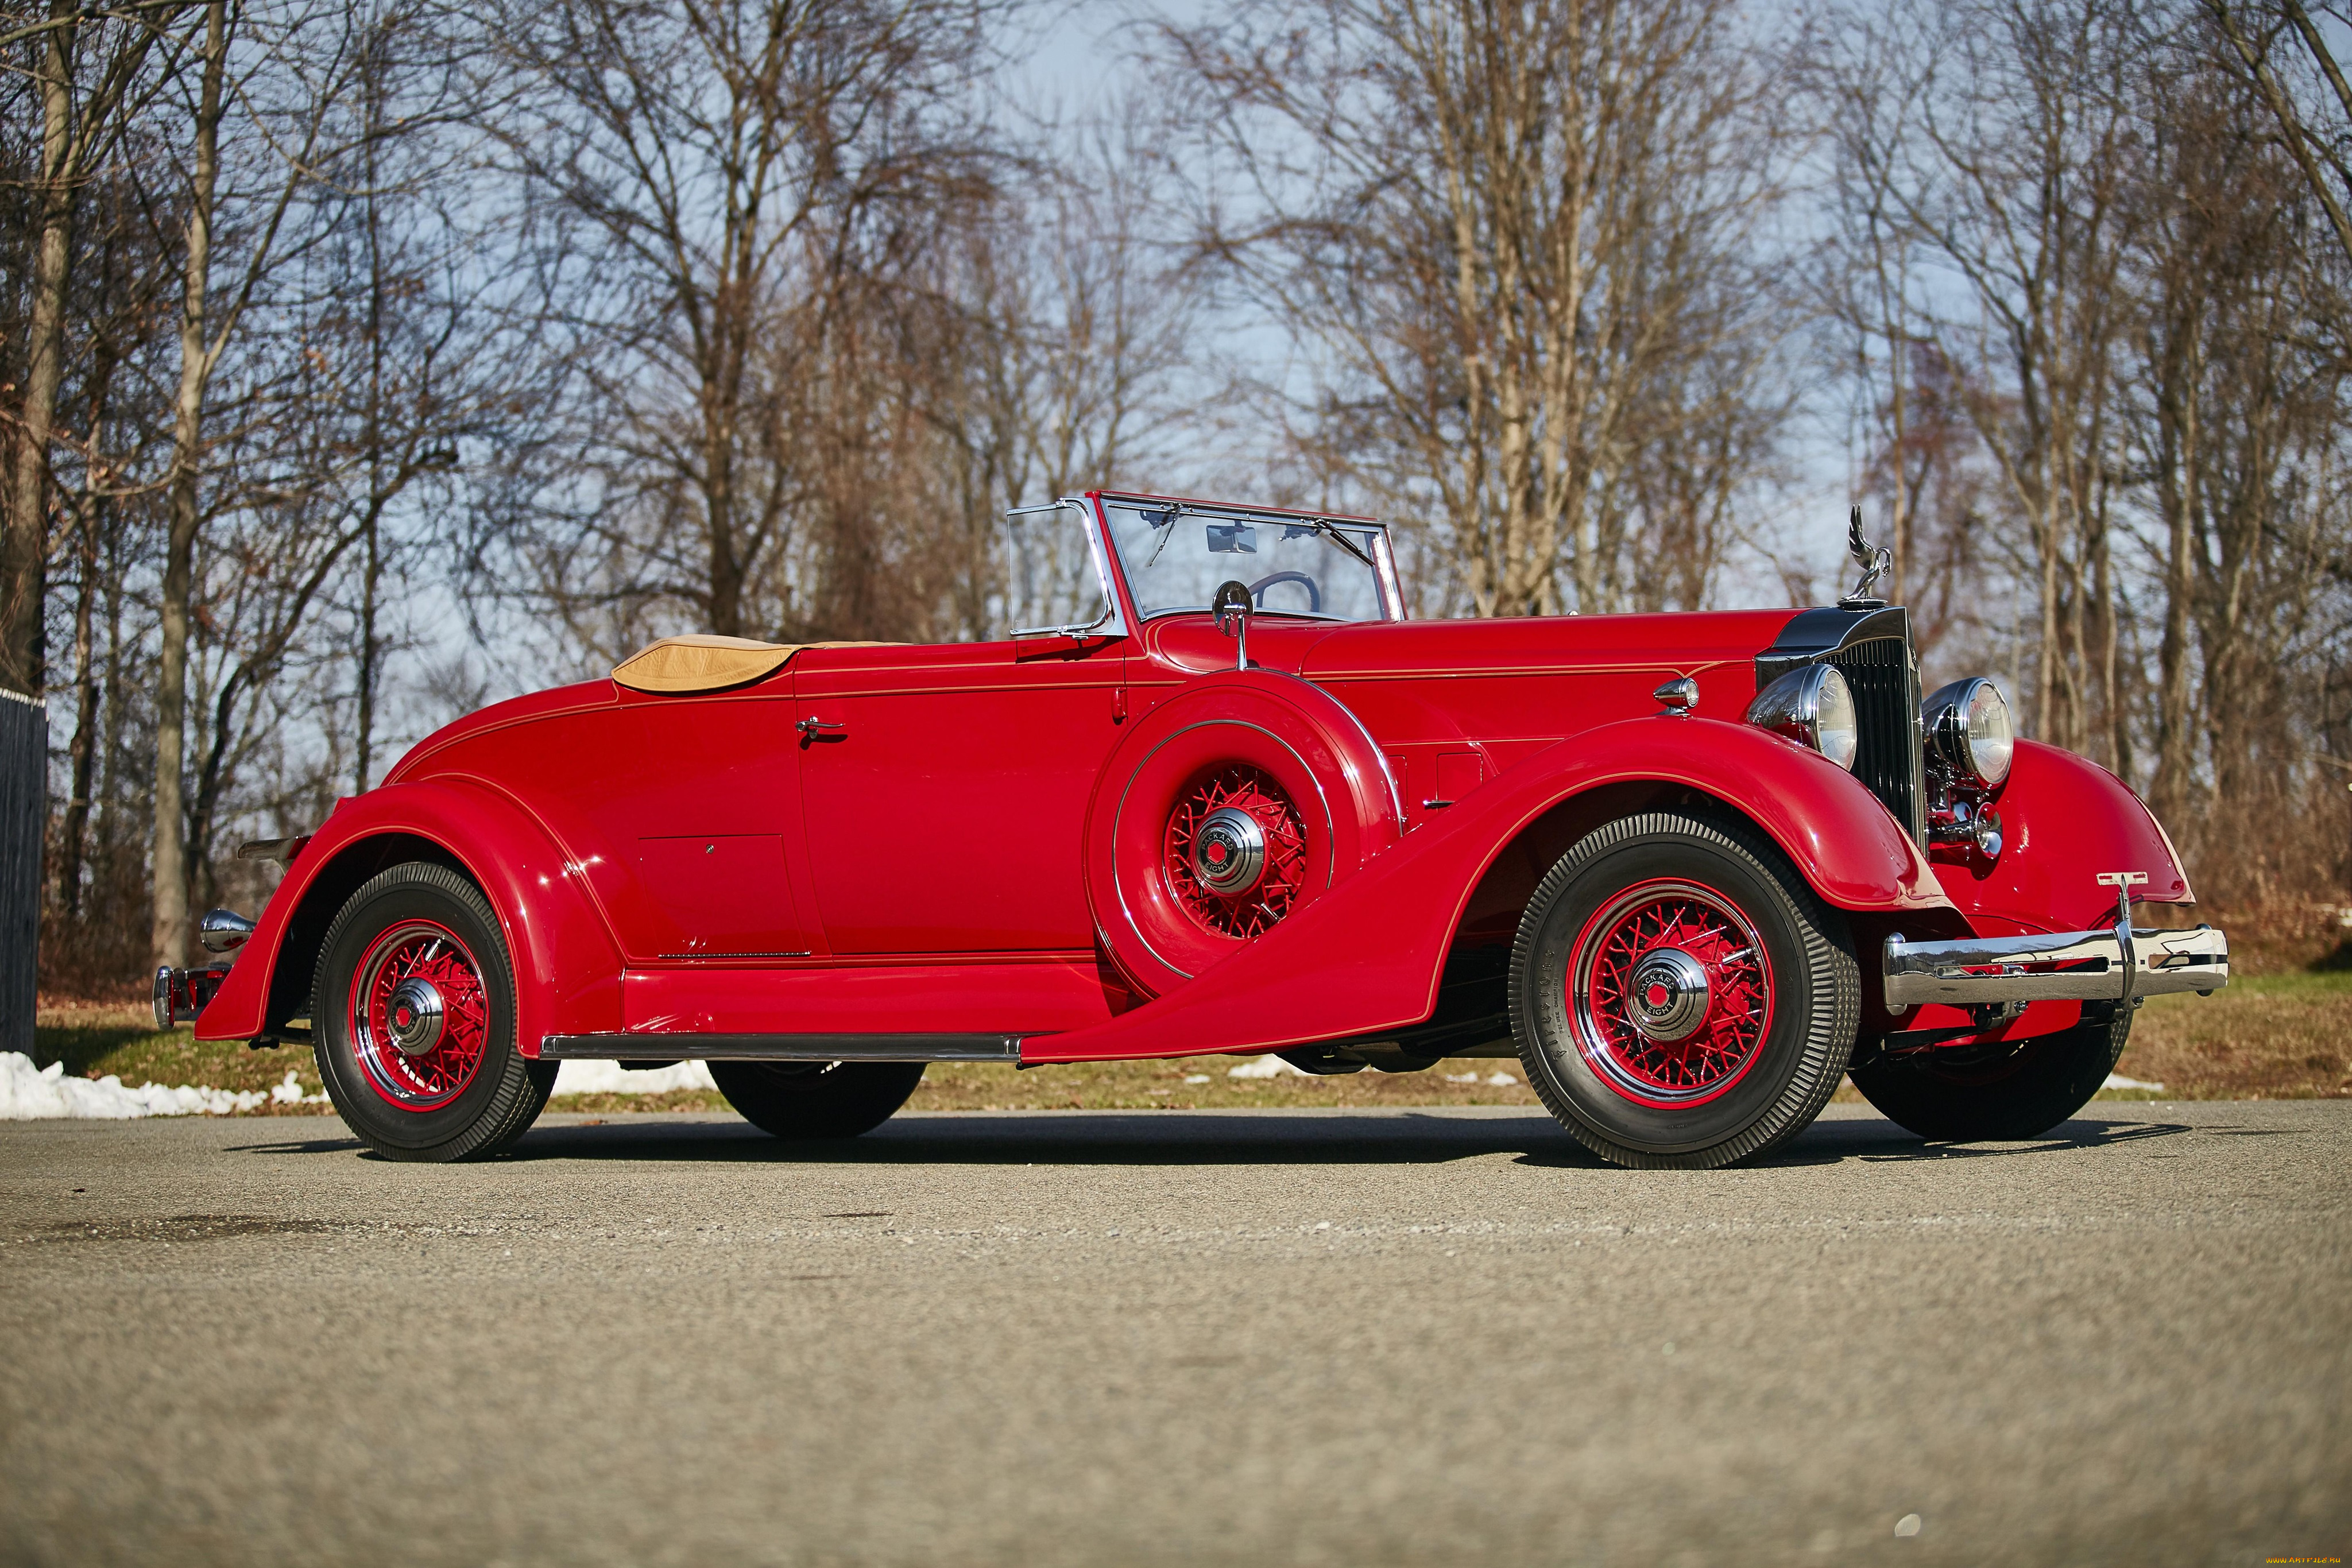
1876,561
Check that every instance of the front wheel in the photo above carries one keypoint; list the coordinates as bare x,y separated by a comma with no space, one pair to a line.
1680,997
817,1099
413,1015
2001,1094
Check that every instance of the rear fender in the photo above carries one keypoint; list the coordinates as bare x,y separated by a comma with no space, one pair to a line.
1369,955
567,966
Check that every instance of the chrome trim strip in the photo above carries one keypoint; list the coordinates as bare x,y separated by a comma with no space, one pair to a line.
783,1047
699,957
2120,964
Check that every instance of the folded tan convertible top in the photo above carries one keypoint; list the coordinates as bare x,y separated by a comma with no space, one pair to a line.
702,662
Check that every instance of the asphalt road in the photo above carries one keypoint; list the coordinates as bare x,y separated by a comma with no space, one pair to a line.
1255,1337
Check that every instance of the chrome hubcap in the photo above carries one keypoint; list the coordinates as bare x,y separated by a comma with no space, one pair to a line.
413,1017
1228,851
1669,995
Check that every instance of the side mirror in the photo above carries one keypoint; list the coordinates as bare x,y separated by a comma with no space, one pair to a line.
1232,605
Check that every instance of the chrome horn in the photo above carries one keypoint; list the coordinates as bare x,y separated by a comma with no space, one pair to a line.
223,930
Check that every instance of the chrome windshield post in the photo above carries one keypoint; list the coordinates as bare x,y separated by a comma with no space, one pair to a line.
1110,624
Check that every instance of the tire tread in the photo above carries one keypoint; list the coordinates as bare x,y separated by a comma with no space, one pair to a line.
524,1084
1828,955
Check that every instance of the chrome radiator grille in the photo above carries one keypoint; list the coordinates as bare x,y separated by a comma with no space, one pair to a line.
1884,680
1871,647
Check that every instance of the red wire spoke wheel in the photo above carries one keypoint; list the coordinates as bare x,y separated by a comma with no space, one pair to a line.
1236,852
1224,811
1670,993
1680,997
418,1018
413,1012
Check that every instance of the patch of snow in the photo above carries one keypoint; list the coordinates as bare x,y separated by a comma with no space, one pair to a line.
1196,1078
29,1093
1268,1066
1462,1078
1501,1079
289,1091
612,1078
2118,1081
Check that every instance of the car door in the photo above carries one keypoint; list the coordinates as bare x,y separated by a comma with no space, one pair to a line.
944,789
682,814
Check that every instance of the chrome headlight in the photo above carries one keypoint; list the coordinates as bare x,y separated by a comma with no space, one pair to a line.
1814,707
1969,730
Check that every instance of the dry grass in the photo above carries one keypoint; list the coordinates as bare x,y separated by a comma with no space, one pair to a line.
1161,1085
1144,1086
2285,1036
2267,1037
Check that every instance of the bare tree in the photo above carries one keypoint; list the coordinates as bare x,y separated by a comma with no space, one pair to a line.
1065,340
1524,236
288,78
733,177
93,75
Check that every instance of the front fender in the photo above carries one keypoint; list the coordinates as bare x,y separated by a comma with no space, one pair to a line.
2063,819
1369,955
567,965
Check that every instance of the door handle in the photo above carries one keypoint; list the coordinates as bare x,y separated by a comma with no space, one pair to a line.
817,728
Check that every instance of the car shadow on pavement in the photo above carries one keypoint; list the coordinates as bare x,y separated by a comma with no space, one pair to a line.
1872,1140
1063,1137
1211,1138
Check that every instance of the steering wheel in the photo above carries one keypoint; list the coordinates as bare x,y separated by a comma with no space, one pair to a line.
1314,593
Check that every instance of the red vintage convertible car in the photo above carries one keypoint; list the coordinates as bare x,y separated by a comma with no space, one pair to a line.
1689,869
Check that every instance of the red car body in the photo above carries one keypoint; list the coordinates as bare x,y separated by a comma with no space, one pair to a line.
909,841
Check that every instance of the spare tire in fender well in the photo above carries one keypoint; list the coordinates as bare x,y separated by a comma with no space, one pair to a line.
1305,747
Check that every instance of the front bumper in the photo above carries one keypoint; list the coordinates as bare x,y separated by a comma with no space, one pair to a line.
2121,963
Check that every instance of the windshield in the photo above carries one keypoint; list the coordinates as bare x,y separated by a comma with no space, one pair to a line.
1175,554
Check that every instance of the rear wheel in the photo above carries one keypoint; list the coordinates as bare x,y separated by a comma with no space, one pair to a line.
413,1018
817,1099
1680,997
1999,1093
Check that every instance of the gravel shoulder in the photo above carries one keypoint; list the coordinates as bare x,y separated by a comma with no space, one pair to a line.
1370,1336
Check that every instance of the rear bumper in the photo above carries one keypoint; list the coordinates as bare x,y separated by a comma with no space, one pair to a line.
2119,964
181,994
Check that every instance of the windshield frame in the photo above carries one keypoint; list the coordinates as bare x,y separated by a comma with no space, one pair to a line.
1115,620
1383,554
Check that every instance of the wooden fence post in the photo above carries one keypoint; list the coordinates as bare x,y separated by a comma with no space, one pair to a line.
24,818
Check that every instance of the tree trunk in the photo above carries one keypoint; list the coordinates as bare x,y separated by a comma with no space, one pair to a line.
24,569
170,941
2175,737
82,755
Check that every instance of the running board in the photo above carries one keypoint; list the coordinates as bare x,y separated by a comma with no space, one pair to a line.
783,1046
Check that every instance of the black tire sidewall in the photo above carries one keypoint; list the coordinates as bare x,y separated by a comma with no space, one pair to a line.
402,894
2054,1076
1541,1008
842,1101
